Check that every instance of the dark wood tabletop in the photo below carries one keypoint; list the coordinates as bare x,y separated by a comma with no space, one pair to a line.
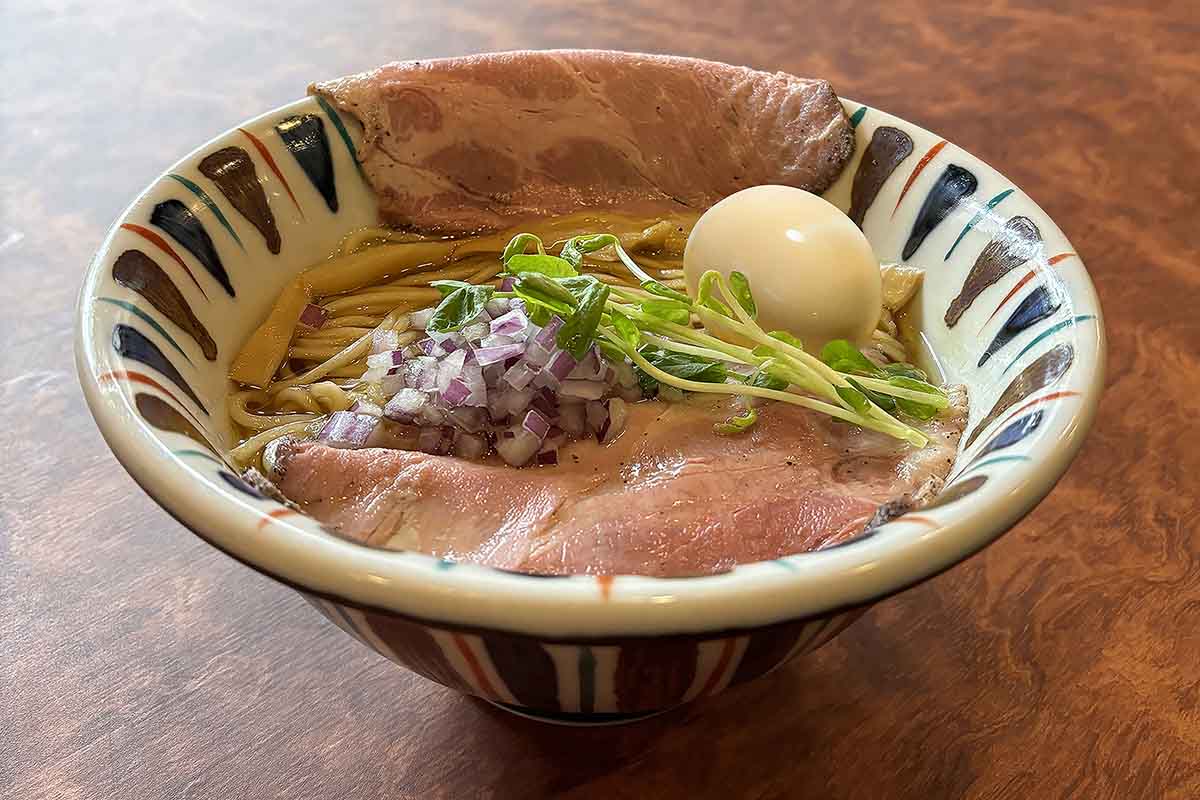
1064,662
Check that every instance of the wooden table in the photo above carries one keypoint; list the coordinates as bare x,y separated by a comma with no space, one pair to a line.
136,662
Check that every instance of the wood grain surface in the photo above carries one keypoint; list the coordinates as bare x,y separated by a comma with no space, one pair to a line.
1064,662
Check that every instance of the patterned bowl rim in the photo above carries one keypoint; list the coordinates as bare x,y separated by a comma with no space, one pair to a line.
297,552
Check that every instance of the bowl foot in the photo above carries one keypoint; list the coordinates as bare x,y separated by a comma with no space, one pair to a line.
577,720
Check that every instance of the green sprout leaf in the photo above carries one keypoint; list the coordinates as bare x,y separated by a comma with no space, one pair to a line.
535,288
886,402
855,398
670,310
787,338
704,293
913,408
578,285
447,287
740,285
458,308
904,370
519,244
626,329
844,357
579,331
578,246
916,410
681,365
708,281
610,350
764,379
904,382
882,400
538,314
550,266
739,424
662,290
685,365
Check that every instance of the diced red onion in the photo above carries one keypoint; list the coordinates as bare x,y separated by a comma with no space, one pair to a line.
497,306
450,368
435,440
394,436
405,405
450,392
536,355
496,411
512,323
393,381
493,372
445,343
517,446
561,364
546,402
477,398
431,415
519,375
386,360
498,340
348,430
365,407
420,319
536,424
421,373
546,336
625,374
586,390
470,445
471,420
491,355
618,413
546,380
554,440
456,392
472,376
473,333
313,317
384,341
514,401
597,415
589,369
507,284
572,418
630,394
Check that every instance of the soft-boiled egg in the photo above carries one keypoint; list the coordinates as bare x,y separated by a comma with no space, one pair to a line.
811,270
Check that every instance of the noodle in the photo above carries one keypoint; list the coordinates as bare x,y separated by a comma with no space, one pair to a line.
366,237
380,298
248,451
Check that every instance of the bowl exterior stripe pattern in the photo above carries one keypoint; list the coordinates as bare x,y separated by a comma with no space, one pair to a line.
630,676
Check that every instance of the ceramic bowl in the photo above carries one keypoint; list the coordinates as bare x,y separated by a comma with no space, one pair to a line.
195,262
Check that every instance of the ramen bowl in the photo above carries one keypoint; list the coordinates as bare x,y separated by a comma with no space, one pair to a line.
194,264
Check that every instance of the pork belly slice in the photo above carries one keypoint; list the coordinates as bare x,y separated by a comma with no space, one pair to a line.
476,143
667,498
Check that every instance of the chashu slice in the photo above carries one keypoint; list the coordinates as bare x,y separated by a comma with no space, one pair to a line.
669,497
472,144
